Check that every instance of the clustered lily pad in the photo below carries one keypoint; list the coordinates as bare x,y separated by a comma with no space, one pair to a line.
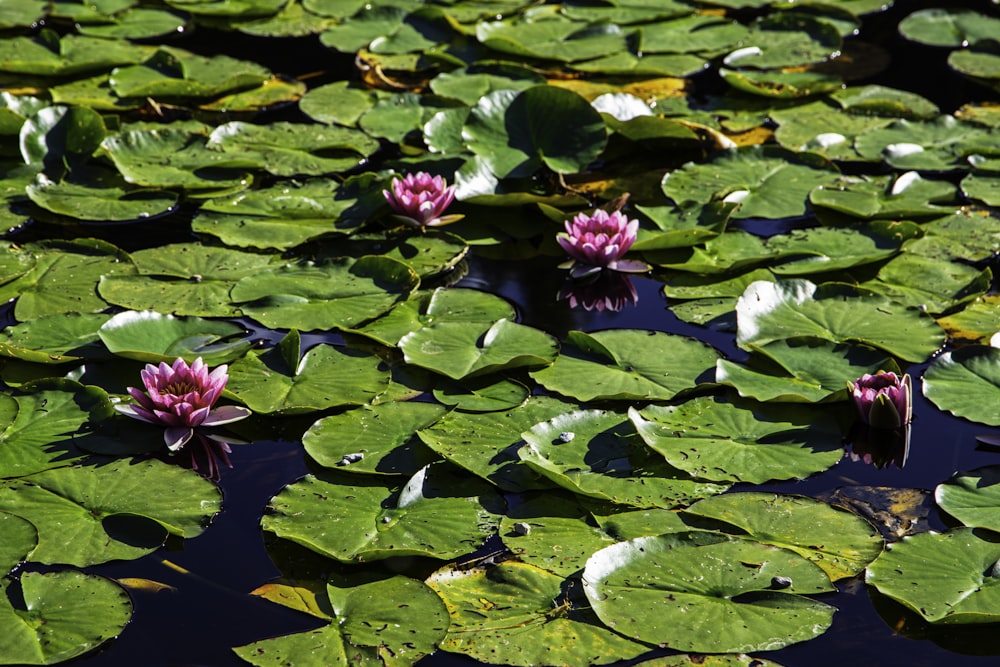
831,230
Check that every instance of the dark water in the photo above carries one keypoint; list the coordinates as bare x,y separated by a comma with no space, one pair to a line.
210,609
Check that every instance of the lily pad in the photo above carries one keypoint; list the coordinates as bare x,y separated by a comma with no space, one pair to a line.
55,339
65,615
19,538
838,541
713,439
945,577
971,497
596,453
628,364
708,593
526,615
964,382
436,513
151,337
117,511
775,311
378,439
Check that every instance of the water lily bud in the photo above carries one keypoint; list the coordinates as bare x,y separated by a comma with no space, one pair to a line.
883,400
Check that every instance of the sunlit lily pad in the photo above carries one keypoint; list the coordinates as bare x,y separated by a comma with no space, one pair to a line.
171,72
461,349
184,279
65,614
482,394
939,145
781,85
19,537
966,382
99,202
525,616
929,284
774,311
596,453
977,322
908,196
54,339
369,618
151,337
335,294
972,497
765,182
944,577
378,439
486,444
967,235
121,510
551,37
708,593
839,542
628,364
884,101
436,513
948,27
49,55
714,439
135,23
786,39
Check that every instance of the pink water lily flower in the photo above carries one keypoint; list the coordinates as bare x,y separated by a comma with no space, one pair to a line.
420,200
883,400
181,398
599,241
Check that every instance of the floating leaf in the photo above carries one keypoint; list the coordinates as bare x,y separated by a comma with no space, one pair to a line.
628,364
526,615
19,538
55,339
972,497
965,382
718,440
151,337
945,577
65,614
708,593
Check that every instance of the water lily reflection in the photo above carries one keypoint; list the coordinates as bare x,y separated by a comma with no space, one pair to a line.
604,291
880,447
181,398
420,200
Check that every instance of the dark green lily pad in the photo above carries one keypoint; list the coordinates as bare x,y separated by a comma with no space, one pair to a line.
376,439
718,440
55,339
151,337
335,294
839,542
596,453
628,364
121,510
786,39
789,308
965,383
103,202
65,614
527,615
940,145
184,279
706,592
972,497
173,73
436,513
550,36
486,444
369,619
945,577
948,27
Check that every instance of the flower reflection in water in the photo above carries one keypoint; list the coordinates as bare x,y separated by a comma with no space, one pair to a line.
603,291
880,447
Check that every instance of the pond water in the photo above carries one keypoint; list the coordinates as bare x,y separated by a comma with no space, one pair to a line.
192,601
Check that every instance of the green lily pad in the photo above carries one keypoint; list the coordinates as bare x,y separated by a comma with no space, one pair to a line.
121,510
19,538
65,615
971,497
945,577
99,201
339,103
967,235
765,182
63,277
781,85
22,14
982,187
461,349
976,323
628,364
596,453
981,62
884,101
172,73
482,394
929,284
368,620
47,54
719,440
789,308
55,339
526,615
136,23
708,593
436,513
940,145
58,137
827,249
515,132
429,254
550,36
151,337
486,444
948,27
184,279
472,83
839,542
908,196
786,39
822,127
280,380
335,294
40,428
377,439
964,382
